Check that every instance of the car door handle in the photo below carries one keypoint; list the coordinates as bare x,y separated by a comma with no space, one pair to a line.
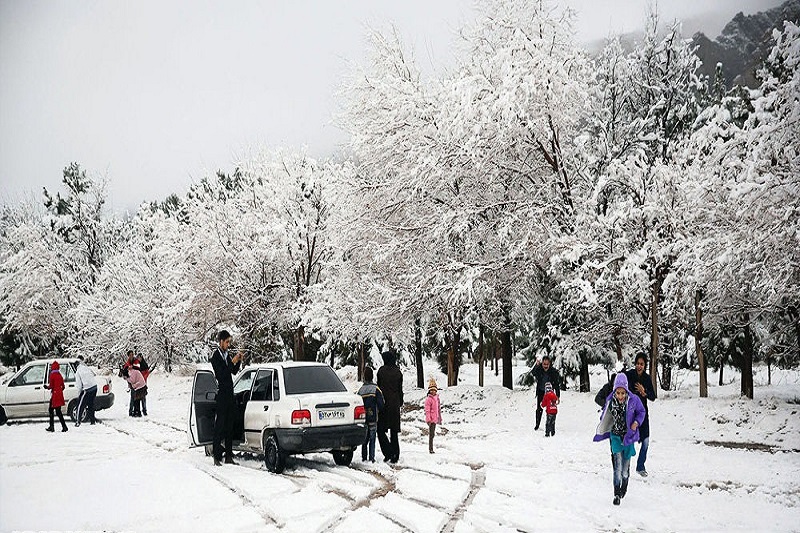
36,388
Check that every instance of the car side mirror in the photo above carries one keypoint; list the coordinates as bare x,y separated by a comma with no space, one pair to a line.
211,396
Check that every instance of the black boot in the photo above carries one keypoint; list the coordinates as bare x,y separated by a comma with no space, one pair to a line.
616,495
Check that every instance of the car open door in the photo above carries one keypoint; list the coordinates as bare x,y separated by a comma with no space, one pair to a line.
202,408
262,396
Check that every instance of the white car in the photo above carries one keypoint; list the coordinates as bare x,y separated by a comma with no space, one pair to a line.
23,395
283,409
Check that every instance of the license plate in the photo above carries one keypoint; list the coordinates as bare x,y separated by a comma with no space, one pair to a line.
331,415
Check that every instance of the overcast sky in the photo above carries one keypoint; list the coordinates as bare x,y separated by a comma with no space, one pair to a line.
154,94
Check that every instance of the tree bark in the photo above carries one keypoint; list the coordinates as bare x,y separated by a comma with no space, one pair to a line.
617,344
721,366
698,344
584,385
654,333
299,343
481,356
362,360
418,353
747,362
508,379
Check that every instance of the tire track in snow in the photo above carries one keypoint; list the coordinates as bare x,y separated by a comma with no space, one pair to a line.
247,500
476,483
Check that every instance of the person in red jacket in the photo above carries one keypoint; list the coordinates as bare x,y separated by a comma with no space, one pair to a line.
550,405
56,386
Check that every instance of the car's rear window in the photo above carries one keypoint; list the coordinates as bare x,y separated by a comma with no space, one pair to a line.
305,379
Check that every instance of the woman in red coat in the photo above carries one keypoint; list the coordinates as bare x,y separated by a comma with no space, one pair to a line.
56,387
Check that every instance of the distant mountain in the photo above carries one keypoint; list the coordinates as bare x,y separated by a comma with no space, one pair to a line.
744,43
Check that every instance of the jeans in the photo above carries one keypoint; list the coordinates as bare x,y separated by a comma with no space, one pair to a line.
622,469
369,443
642,454
550,425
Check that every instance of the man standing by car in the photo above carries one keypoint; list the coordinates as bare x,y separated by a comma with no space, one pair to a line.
224,367
543,372
641,385
390,382
87,390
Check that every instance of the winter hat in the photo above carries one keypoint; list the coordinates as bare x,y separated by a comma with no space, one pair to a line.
55,366
432,386
548,387
621,381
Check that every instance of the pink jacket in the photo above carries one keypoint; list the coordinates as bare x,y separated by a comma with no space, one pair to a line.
433,410
135,379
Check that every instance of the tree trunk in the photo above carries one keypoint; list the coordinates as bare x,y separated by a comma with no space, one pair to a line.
747,362
299,344
498,353
362,360
721,366
666,375
617,344
492,358
769,371
508,379
698,344
654,333
585,385
481,355
418,353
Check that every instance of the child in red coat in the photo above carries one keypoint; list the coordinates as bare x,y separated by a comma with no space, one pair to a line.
550,405
56,386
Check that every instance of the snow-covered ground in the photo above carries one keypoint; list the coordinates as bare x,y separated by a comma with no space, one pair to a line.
490,472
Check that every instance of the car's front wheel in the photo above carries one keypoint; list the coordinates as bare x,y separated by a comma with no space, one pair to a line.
3,417
342,458
274,457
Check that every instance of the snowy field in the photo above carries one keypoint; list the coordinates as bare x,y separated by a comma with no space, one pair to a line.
720,464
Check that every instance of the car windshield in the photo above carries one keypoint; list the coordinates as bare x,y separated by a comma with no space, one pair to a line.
305,379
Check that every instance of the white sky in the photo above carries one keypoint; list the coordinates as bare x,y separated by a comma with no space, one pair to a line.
155,94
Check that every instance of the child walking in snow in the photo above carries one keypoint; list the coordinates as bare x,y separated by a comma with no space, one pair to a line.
621,417
433,412
373,403
550,405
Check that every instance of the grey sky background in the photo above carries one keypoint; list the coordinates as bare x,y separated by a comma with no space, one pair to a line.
154,95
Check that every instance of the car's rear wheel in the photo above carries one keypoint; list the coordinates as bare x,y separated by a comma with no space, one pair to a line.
274,457
3,417
72,409
342,458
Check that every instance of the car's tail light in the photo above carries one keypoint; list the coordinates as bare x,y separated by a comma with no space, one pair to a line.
106,388
361,413
301,416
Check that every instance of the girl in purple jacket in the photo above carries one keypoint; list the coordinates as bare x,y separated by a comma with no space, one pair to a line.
622,415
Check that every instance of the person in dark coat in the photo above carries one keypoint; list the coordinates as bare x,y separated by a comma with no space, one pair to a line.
225,367
390,381
56,386
544,373
641,385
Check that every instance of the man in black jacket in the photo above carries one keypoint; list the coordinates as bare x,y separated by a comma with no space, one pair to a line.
640,384
390,381
544,373
224,367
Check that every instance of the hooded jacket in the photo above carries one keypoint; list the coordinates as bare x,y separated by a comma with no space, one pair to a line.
56,386
433,409
634,411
